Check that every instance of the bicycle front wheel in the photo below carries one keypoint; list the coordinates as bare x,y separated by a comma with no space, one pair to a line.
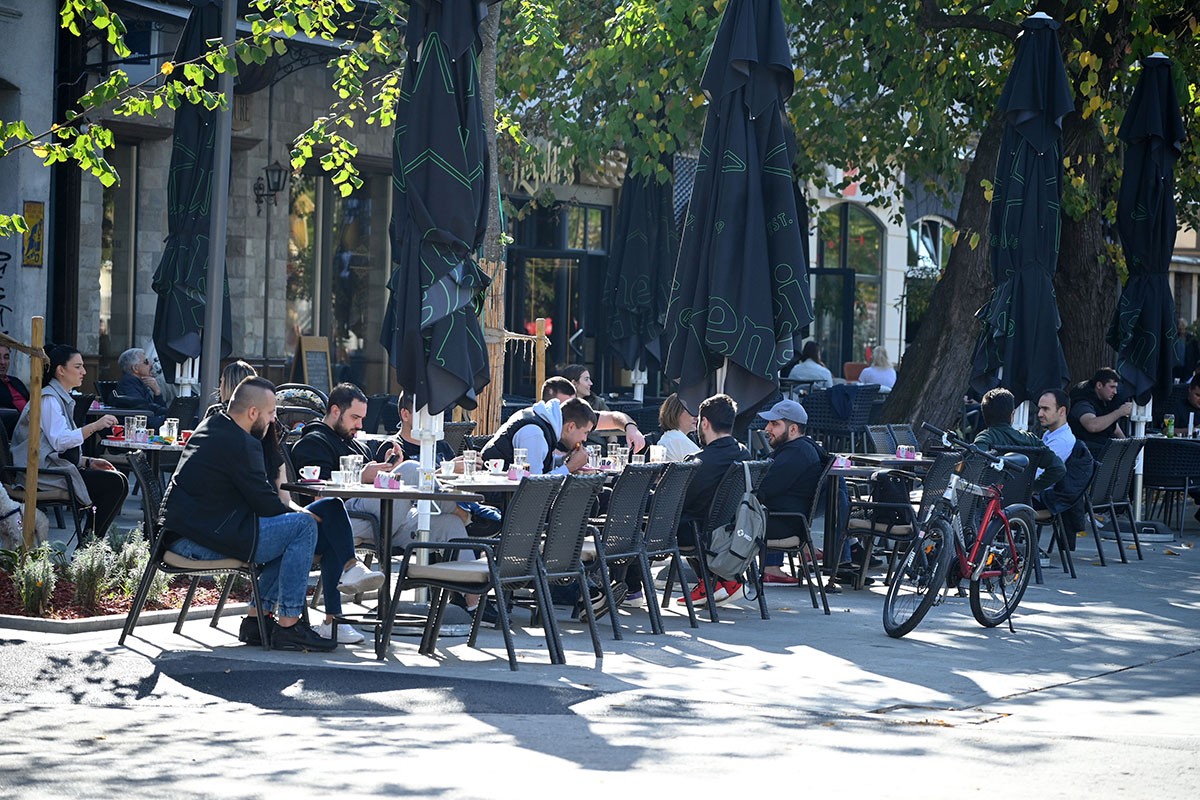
995,596
919,579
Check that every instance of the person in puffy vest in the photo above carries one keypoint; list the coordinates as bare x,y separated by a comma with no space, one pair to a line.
552,434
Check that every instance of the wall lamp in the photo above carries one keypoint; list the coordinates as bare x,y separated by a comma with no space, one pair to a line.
276,180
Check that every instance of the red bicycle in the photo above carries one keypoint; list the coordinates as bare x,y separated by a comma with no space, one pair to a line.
997,562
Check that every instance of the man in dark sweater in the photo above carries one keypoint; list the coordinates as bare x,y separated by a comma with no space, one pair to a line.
138,388
220,504
1096,412
998,407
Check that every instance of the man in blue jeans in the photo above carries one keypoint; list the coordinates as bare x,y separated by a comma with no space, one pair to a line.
221,505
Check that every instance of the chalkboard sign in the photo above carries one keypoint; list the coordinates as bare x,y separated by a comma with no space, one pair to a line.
311,364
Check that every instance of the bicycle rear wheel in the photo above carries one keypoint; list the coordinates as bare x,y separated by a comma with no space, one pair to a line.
995,597
919,579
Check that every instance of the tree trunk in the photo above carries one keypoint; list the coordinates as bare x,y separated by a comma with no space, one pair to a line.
931,384
487,417
1086,282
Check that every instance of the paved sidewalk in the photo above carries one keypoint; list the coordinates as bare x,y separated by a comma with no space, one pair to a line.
1096,693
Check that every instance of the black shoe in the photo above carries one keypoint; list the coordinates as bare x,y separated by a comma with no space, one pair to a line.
599,603
248,632
490,615
300,637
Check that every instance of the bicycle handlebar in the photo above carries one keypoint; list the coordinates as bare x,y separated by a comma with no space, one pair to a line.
949,439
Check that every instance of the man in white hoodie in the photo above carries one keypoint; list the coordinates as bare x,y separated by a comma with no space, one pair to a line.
545,430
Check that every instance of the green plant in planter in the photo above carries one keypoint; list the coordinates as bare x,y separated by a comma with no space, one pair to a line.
35,579
92,571
133,553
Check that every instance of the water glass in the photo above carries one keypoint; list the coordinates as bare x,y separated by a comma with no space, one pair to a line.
593,451
350,465
171,429
658,454
338,478
637,458
520,457
469,458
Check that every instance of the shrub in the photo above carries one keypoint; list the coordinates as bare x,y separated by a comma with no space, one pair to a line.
35,580
132,554
92,571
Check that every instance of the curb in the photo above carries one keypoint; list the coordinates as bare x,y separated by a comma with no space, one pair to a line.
109,622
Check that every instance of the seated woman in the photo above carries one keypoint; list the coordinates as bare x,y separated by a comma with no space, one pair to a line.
96,482
676,423
881,370
581,376
811,367
138,386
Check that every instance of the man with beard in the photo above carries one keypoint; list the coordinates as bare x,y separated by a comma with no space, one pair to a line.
220,505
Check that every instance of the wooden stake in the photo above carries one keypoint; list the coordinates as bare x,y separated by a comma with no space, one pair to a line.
29,521
539,358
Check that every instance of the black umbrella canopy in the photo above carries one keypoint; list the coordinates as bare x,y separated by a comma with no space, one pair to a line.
1143,329
1019,347
740,297
431,327
639,270
181,279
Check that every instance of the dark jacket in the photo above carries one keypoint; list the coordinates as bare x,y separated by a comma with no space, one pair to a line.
137,395
714,460
998,437
1084,401
791,481
1062,495
219,489
6,399
501,443
321,446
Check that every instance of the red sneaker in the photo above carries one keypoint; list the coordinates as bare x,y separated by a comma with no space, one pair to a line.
730,589
787,580
720,593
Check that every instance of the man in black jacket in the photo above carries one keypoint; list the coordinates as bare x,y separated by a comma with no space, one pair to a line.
220,504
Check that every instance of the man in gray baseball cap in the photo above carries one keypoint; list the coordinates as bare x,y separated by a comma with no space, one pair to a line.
791,482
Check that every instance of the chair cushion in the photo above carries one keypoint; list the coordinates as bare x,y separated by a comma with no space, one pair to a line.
1042,515
790,543
44,495
173,559
451,571
867,525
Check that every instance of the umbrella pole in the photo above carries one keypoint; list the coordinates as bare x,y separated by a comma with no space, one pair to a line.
1140,416
187,377
640,378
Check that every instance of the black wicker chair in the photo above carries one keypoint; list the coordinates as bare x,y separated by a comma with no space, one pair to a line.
1060,537
903,435
1172,467
1122,482
456,433
880,439
508,562
801,544
874,519
659,538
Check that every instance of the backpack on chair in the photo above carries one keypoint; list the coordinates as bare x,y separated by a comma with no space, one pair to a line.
733,547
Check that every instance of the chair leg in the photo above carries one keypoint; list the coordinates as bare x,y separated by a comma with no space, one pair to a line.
606,587
1064,545
706,579
651,596
187,603
815,575
502,618
1091,515
1112,513
1137,541
676,565
225,591
428,633
1037,563
139,598
261,612
585,598
545,609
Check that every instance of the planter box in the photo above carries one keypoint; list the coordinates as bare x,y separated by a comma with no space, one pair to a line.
110,622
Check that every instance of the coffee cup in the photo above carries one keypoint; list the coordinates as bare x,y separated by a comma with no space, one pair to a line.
495,465
448,467
339,477
184,436
117,431
310,473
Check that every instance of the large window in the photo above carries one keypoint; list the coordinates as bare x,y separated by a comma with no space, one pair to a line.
929,243
847,285
118,238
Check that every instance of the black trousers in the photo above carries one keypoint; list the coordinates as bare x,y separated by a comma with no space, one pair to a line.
108,489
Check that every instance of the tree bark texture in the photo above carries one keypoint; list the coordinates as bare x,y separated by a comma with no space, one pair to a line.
487,417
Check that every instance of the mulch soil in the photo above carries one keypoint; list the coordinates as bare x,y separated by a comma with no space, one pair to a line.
63,605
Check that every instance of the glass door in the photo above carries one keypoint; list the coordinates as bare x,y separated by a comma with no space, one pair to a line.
542,286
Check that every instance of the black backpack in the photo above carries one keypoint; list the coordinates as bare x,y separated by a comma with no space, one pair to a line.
890,504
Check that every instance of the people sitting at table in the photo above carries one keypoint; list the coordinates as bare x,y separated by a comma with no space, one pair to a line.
677,424
880,371
219,492
1187,408
551,432
717,415
323,443
1096,413
96,482
561,389
998,407
581,378
13,393
811,367
138,388
1053,407
1188,348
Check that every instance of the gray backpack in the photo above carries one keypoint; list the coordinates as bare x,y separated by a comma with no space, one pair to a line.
733,547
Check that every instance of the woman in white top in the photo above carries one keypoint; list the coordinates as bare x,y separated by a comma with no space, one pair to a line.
96,482
676,423
880,371
811,367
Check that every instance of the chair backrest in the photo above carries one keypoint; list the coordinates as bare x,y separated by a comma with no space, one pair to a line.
475,442
860,407
83,402
666,506
456,433
903,435
1019,488
105,391
881,439
185,410
729,493
566,525
1168,462
521,533
622,531
1101,489
1124,472
758,471
821,420
852,370
152,494
978,470
935,480
287,388
375,406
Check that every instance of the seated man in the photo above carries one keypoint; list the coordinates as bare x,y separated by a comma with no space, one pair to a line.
791,481
1095,415
13,393
1187,407
324,442
139,387
998,407
720,449
561,389
552,434
215,496
1053,407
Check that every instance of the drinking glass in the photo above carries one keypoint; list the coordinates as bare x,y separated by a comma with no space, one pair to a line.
469,457
593,456
520,457
658,454
637,458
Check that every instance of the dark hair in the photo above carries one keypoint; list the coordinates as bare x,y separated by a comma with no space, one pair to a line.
811,352
1194,382
998,405
1105,375
552,387
573,372
670,412
344,394
578,411
247,391
1061,400
58,356
720,411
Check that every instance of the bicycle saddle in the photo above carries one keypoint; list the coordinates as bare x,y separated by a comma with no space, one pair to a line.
1015,463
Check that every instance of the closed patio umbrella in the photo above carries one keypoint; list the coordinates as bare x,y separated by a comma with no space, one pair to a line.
739,297
431,327
181,279
1143,329
1019,347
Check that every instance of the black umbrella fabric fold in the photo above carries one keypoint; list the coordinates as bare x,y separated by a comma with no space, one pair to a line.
431,326
639,272
1019,347
181,279
739,296
1143,330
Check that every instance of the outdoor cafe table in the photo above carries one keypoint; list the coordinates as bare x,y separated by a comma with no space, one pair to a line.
153,451
888,461
385,497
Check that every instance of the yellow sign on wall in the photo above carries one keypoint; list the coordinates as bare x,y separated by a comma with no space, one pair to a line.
32,252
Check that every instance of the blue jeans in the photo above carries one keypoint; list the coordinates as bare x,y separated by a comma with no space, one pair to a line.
335,546
285,552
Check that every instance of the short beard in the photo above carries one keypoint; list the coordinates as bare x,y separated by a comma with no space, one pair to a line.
259,428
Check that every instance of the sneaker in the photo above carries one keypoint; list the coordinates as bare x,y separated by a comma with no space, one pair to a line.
599,603
787,580
730,589
1043,559
248,631
346,634
720,594
359,579
490,616
634,597
300,637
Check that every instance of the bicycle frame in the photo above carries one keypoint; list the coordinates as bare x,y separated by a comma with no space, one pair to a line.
971,565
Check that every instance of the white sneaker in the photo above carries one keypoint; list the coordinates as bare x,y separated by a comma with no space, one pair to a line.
359,579
345,633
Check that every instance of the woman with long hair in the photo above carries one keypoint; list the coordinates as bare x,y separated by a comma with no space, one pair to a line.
581,376
676,423
811,367
881,370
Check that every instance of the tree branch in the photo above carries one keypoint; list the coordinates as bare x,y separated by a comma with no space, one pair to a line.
932,18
